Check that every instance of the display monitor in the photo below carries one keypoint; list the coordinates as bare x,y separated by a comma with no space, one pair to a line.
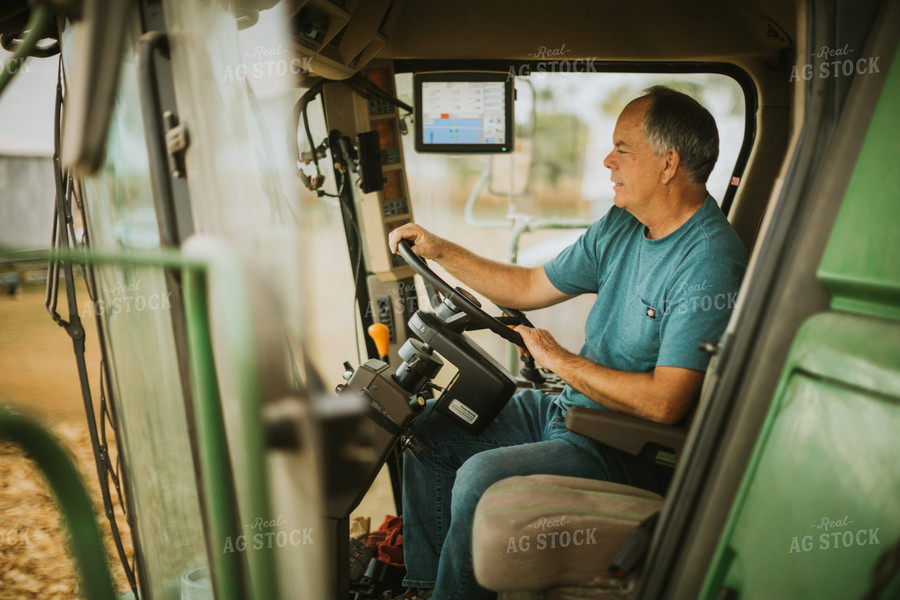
464,112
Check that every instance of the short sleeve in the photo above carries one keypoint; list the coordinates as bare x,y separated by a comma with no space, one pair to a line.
698,306
576,270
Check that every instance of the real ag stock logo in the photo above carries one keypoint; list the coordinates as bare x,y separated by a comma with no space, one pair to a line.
842,65
835,534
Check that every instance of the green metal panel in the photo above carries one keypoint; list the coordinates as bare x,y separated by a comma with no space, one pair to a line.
227,280
243,192
819,506
860,266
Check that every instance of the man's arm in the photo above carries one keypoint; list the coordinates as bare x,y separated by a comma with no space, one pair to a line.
664,396
508,285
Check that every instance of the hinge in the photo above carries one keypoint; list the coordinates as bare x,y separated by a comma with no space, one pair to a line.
177,141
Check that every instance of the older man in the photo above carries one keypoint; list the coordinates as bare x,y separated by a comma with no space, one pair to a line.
665,265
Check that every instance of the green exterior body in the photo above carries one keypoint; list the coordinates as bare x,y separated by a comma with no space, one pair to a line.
818,506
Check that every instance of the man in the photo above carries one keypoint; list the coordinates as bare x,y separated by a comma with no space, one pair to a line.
666,267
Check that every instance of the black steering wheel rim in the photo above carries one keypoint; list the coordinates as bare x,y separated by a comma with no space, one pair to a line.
475,312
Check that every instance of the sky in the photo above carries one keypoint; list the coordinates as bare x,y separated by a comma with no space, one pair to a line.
26,107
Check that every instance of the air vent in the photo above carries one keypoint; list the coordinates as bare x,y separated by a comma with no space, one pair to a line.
311,26
342,36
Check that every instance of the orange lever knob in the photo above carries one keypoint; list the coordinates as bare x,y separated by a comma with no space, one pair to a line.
381,335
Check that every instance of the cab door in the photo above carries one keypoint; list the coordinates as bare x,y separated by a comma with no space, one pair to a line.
790,488
816,515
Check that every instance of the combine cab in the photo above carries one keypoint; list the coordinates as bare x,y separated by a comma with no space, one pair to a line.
225,179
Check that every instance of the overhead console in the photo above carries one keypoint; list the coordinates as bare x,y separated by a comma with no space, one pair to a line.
340,37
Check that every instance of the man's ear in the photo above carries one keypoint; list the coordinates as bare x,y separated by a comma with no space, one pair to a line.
673,161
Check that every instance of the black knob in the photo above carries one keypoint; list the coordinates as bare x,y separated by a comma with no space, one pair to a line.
468,295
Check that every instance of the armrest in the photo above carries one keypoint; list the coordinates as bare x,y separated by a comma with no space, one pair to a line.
633,435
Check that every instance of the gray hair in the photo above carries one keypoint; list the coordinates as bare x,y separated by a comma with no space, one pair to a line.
675,121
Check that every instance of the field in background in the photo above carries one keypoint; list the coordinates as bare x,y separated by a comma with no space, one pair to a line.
39,378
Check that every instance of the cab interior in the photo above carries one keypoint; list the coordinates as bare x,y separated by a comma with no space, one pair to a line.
758,44
778,191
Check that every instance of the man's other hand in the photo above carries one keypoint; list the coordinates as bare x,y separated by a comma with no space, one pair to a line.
542,346
424,243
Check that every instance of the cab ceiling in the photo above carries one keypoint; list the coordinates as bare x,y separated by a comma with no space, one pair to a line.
705,30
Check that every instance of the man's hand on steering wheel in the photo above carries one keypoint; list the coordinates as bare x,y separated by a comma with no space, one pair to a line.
424,243
458,297
419,244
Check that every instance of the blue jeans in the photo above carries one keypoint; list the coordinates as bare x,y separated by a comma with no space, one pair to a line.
443,483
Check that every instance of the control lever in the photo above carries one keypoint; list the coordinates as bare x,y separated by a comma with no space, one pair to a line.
381,335
529,369
348,371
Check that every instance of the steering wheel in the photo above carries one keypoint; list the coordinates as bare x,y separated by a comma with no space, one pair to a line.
460,298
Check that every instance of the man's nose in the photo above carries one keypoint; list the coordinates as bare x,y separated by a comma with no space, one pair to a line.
608,161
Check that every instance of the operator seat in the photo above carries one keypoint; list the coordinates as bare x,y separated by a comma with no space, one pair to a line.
553,537
550,537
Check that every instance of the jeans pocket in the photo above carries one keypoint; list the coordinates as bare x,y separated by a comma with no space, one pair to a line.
557,426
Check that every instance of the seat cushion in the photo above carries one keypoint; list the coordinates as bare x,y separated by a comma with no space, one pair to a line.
544,531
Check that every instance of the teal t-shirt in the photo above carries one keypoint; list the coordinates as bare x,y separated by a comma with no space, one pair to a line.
657,300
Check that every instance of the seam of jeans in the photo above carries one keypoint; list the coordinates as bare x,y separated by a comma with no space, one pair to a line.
439,497
417,584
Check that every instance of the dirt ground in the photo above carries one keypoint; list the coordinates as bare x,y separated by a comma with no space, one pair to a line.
38,377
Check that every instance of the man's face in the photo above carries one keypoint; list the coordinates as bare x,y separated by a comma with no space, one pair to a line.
636,170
